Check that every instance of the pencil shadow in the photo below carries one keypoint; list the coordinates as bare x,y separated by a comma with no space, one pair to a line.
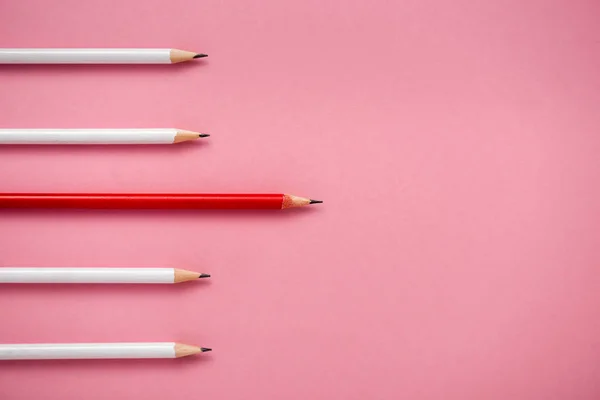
99,149
115,366
70,69
86,289
158,215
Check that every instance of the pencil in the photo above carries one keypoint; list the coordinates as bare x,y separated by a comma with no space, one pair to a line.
71,351
98,136
153,201
98,275
96,56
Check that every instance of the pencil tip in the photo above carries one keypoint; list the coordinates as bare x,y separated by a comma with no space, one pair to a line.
200,55
205,349
204,276
315,201
203,135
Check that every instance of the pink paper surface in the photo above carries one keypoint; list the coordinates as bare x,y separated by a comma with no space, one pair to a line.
455,144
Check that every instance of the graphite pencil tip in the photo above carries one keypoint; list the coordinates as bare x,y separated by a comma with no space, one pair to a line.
203,135
200,55
205,349
315,201
204,276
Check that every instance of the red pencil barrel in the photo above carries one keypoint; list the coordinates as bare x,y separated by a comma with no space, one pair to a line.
143,201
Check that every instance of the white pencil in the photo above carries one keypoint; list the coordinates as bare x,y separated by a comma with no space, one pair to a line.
65,351
98,275
97,136
96,56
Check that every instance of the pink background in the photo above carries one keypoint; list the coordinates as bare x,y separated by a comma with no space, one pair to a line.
455,143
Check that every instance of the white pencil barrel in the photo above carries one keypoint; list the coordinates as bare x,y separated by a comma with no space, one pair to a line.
86,351
85,56
87,275
87,136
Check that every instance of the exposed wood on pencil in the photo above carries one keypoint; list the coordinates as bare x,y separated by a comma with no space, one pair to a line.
184,350
184,136
178,56
290,201
182,275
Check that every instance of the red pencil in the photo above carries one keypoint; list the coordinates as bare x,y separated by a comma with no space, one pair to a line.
154,201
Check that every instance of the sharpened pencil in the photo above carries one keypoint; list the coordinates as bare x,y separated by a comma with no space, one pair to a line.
97,275
96,56
73,351
154,201
98,136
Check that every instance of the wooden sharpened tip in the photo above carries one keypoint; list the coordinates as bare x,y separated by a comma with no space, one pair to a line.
182,275
184,350
291,201
178,56
183,136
